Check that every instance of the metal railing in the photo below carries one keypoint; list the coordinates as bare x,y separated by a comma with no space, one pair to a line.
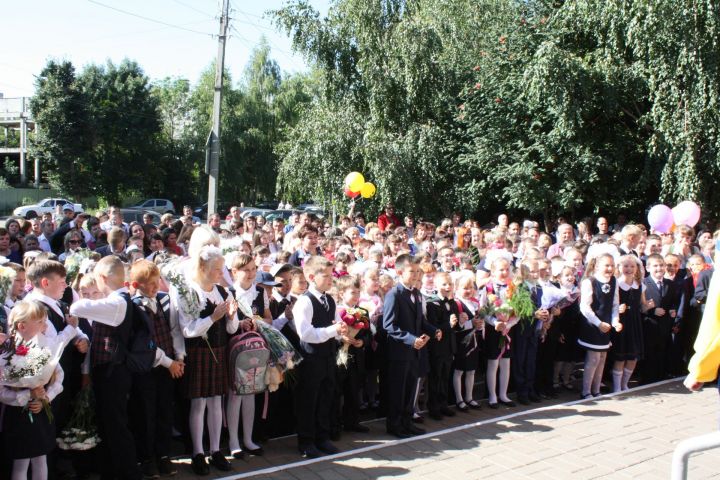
681,455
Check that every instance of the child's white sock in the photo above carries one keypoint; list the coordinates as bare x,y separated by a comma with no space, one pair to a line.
248,416
617,380
20,469
214,422
197,414
457,385
504,379
39,467
234,404
627,373
491,379
469,385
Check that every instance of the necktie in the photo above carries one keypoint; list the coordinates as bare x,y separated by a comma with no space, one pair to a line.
659,285
323,300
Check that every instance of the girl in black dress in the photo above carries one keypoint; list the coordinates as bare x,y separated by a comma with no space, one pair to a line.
627,345
468,338
28,433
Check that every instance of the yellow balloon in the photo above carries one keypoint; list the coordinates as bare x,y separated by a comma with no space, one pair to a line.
367,190
354,181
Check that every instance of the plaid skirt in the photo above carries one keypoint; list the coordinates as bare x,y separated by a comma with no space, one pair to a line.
204,376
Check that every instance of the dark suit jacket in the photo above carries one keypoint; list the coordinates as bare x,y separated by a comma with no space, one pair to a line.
669,298
701,289
404,321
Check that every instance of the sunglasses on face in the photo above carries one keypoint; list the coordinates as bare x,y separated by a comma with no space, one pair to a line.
74,242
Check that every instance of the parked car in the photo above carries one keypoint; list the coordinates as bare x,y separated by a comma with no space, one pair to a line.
44,206
271,204
223,208
159,205
254,212
136,215
284,214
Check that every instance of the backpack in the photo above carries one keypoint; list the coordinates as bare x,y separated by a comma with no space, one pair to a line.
248,360
137,339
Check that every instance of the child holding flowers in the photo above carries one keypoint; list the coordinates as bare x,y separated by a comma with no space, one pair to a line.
351,373
28,429
499,323
468,334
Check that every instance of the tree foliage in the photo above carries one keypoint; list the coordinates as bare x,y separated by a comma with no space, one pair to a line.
537,105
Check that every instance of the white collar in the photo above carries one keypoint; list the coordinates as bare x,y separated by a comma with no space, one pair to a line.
50,302
315,292
280,298
625,286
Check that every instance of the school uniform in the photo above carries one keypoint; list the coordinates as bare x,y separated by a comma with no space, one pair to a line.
25,434
657,329
71,360
525,340
441,352
404,322
602,309
629,343
281,403
495,345
348,381
313,315
111,380
206,367
153,392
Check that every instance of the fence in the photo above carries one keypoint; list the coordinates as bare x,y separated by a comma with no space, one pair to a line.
11,198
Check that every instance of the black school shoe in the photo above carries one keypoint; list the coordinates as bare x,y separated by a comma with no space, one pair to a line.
150,470
166,467
359,428
199,465
218,460
310,451
327,447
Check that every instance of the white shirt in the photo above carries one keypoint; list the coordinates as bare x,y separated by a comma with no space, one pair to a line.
108,311
44,243
197,327
108,225
302,318
68,333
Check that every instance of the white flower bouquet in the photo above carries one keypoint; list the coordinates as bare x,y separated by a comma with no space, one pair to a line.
81,431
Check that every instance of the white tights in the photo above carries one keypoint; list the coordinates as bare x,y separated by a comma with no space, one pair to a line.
592,375
39,468
469,385
214,422
234,404
491,378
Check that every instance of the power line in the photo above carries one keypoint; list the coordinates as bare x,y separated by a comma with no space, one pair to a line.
179,27
194,9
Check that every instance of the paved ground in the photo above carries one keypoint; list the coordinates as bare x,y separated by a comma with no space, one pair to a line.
625,436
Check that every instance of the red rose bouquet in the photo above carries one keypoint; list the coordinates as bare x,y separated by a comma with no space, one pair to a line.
356,319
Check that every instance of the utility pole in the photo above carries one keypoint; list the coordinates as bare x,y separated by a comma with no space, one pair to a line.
213,164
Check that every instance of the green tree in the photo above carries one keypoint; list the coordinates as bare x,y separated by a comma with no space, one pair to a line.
59,106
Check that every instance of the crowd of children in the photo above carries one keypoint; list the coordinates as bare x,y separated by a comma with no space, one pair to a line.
452,315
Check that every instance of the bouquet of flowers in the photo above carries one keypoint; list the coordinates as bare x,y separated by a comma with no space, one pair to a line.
74,261
558,297
28,365
521,302
189,301
356,319
7,277
283,355
81,431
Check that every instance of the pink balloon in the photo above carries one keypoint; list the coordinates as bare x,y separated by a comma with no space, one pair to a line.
686,213
660,218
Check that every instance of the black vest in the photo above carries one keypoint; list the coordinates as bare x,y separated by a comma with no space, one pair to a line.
321,319
105,343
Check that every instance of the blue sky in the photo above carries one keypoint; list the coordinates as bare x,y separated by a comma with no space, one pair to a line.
85,32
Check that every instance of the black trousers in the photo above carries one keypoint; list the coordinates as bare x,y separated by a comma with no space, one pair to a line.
112,384
525,349
151,414
346,404
402,382
656,362
438,383
313,398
